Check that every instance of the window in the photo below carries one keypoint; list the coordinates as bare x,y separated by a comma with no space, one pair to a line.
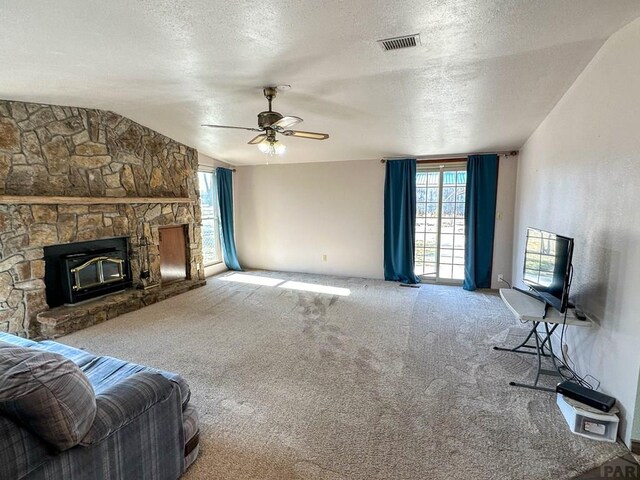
211,251
440,197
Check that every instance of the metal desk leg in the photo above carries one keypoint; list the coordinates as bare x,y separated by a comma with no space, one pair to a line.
539,352
550,347
549,332
539,359
517,349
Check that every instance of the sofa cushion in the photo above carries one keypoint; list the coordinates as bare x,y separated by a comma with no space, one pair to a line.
77,356
20,450
104,372
16,340
47,394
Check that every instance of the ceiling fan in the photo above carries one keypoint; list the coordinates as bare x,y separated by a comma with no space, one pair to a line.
270,123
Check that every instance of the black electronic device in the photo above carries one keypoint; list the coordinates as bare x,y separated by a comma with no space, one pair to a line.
547,267
597,400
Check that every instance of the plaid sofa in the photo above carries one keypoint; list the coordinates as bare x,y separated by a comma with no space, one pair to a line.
144,426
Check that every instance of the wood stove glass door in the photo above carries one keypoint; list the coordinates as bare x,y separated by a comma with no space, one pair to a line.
173,254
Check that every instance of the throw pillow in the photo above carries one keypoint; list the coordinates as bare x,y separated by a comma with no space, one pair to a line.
47,394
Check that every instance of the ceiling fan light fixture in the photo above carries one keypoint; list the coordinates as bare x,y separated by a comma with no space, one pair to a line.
272,147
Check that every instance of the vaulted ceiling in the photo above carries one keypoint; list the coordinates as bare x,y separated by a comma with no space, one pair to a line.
484,77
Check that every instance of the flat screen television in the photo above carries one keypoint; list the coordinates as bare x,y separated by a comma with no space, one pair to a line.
547,267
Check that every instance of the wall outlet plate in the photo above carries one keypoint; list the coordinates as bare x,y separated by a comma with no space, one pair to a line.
500,277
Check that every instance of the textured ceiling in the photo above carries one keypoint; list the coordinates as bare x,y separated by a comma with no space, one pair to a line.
486,75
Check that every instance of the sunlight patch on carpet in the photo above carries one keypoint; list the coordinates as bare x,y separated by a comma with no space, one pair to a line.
312,287
289,285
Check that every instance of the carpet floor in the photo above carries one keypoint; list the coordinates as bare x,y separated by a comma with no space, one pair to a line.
363,380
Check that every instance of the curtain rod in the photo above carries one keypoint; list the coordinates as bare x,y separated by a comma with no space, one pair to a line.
451,158
211,168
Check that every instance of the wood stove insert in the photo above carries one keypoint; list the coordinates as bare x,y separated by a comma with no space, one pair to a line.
76,272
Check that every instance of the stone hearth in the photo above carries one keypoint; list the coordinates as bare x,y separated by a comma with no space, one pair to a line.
71,174
62,320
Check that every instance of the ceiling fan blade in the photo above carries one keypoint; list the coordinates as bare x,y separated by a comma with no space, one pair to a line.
286,122
258,139
237,128
301,134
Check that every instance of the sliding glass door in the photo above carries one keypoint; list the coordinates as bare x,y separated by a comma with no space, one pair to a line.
440,196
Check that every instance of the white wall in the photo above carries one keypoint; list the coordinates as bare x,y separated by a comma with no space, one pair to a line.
635,430
289,216
579,175
503,233
211,163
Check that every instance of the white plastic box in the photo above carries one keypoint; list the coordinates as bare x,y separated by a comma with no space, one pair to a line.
589,422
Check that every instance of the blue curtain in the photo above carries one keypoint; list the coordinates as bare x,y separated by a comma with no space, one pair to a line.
400,221
479,218
224,178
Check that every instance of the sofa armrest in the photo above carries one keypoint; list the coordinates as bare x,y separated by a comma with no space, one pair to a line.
121,403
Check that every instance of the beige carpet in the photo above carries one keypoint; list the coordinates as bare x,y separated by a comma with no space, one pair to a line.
385,383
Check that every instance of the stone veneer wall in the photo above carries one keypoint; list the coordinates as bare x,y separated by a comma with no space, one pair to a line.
48,150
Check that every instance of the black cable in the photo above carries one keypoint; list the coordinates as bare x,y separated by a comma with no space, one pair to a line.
574,376
504,281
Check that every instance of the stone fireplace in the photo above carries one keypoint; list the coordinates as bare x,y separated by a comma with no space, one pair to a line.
70,176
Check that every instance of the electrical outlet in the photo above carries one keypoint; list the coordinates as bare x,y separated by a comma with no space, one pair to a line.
324,258
500,277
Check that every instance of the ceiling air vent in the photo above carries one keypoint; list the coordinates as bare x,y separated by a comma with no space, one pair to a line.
397,43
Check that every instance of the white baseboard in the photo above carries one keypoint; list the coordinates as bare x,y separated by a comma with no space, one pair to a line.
215,269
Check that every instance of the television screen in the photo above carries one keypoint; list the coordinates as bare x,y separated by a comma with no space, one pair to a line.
547,266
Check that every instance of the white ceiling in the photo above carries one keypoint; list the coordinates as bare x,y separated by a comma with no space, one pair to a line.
486,75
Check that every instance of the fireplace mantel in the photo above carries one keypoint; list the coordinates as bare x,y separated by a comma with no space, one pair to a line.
52,200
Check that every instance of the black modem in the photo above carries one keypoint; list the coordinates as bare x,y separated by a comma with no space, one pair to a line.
590,397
